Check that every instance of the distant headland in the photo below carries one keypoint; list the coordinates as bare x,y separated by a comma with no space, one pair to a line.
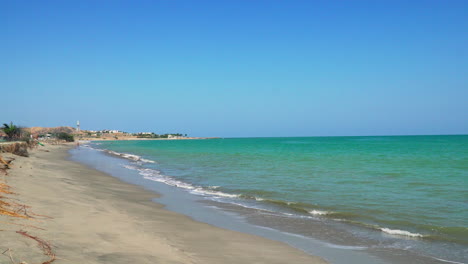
46,133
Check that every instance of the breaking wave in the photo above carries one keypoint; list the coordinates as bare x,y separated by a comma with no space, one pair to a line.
155,175
131,157
318,212
299,209
400,232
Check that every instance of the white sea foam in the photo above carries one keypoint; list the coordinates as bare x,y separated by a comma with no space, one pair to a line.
448,261
154,175
130,167
147,160
204,192
318,212
129,156
400,232
346,247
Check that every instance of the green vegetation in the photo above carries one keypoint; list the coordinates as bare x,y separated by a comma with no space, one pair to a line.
13,132
65,136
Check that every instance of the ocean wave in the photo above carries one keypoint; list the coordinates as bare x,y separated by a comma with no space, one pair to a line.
448,261
155,175
318,212
147,160
212,191
204,192
295,206
128,156
301,209
244,196
346,247
400,232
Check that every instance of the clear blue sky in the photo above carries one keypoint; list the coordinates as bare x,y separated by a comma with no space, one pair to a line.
237,68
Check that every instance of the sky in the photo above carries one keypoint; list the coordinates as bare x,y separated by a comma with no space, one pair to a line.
263,68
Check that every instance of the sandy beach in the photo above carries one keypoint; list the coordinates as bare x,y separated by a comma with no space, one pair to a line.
91,217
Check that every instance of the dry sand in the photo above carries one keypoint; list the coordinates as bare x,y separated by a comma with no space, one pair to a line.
96,218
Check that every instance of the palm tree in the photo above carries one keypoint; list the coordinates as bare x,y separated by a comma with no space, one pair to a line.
12,131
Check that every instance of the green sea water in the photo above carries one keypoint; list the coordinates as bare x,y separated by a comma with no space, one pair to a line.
409,186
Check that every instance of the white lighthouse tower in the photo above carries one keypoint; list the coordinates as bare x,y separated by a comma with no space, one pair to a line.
78,126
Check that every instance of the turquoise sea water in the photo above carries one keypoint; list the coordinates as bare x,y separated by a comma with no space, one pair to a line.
411,187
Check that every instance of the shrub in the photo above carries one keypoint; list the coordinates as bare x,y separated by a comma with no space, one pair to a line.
12,131
65,136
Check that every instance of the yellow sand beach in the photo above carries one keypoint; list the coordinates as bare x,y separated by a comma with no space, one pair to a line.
90,217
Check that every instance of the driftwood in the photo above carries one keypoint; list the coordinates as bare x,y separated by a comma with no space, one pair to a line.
31,226
9,207
9,254
44,245
5,164
5,207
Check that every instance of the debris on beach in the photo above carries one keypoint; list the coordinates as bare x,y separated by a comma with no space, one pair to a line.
5,164
43,245
10,208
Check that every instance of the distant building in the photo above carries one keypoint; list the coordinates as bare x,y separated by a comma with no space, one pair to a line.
110,131
45,136
178,136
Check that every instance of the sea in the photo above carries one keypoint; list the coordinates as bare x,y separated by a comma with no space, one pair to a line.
399,199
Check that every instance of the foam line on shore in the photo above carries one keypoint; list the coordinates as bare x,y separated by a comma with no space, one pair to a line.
400,232
117,222
128,156
155,175
212,192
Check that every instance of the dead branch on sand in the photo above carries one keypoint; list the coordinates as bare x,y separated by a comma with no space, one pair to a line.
6,163
9,254
44,245
35,227
5,207
14,209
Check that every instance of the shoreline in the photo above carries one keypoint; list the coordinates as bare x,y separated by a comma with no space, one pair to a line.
85,139
97,218
333,243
